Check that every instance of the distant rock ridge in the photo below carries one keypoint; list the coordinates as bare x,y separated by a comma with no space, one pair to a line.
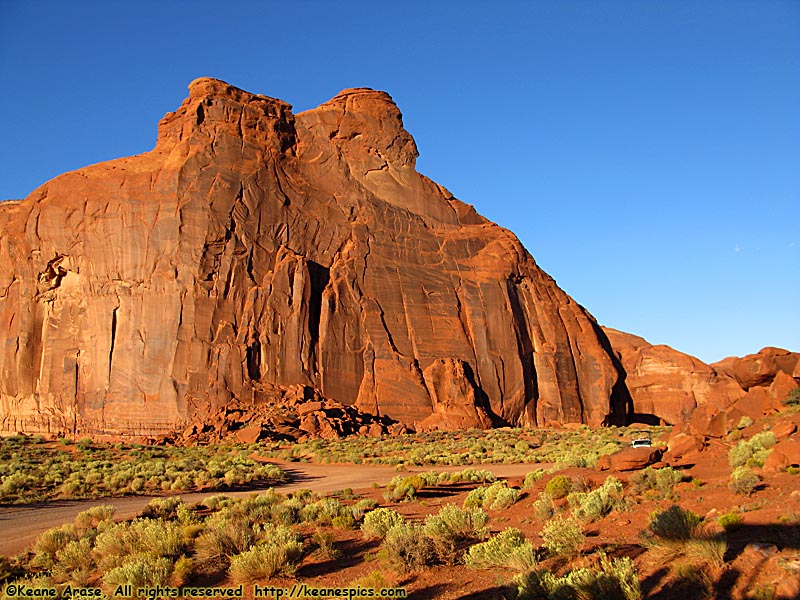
254,250
710,400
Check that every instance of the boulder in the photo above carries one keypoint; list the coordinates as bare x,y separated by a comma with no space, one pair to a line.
786,453
250,434
684,444
630,459
784,428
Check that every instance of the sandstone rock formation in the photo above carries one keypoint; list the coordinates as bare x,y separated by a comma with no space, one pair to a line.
253,248
667,384
759,369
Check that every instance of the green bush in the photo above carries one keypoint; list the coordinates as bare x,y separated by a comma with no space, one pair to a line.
406,546
51,542
673,523
615,579
752,452
226,534
278,553
744,481
793,398
509,548
598,503
677,532
558,487
531,478
139,571
544,507
730,521
661,480
325,545
162,508
454,523
379,521
563,536
362,506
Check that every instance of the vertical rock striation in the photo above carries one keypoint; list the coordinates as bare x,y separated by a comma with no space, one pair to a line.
253,248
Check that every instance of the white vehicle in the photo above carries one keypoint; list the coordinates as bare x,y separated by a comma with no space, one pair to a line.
641,439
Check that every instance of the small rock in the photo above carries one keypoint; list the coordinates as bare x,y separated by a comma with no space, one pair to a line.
764,549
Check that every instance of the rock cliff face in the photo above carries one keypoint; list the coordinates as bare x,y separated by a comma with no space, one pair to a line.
679,389
668,385
253,250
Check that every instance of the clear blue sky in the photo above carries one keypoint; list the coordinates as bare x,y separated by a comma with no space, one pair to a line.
647,153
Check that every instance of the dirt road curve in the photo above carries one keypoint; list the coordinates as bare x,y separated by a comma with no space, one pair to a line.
20,525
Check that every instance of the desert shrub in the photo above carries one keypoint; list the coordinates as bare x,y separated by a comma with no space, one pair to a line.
73,562
379,521
404,488
288,512
326,510
677,532
227,534
259,508
139,571
278,553
598,503
406,546
744,422
458,523
661,480
730,521
744,481
752,452
509,548
217,501
374,580
182,571
343,521
115,546
472,476
497,496
558,487
502,498
544,507
91,518
475,497
162,508
531,478
325,544
673,523
615,579
562,536
49,543
362,506
793,398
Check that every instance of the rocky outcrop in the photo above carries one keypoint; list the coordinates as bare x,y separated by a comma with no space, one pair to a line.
668,385
253,247
760,369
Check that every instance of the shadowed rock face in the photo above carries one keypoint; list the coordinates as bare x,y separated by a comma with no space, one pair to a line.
255,249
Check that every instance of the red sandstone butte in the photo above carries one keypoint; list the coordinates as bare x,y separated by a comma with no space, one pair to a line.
669,384
253,248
